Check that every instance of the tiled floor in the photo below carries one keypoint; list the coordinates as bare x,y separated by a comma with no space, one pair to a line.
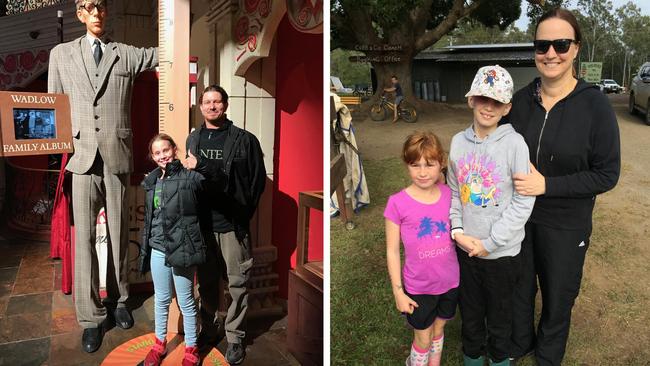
38,324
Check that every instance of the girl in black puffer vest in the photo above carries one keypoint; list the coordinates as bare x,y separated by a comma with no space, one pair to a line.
172,244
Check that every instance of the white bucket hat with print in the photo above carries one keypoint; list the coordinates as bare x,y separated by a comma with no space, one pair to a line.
493,82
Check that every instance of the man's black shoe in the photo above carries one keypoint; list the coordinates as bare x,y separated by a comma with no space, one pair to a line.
235,353
123,318
91,339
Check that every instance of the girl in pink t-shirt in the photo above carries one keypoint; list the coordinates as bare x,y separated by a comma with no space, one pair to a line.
427,289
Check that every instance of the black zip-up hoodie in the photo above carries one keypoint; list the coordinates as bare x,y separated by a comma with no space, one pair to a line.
575,146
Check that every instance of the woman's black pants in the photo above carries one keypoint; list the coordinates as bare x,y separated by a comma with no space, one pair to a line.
555,257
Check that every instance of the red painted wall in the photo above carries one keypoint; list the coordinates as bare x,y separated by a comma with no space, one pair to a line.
298,155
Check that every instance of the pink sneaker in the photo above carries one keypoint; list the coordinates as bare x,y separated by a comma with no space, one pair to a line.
156,354
191,357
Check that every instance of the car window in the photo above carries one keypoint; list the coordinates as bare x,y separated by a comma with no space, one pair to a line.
645,71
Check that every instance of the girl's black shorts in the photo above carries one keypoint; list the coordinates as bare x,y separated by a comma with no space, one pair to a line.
431,307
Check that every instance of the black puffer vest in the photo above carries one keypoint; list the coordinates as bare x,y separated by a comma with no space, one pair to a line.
184,245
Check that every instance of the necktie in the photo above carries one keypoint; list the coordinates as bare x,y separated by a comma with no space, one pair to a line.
97,53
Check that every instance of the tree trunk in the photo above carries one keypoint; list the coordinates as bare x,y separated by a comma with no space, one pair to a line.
401,69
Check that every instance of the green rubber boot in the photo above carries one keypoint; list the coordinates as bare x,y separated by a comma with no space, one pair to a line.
467,361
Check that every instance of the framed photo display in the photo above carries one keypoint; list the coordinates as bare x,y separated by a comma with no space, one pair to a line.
34,124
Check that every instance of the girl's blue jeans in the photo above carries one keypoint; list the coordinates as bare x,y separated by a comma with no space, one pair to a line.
182,280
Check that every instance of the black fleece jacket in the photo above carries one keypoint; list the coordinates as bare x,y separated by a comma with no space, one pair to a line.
575,146
242,176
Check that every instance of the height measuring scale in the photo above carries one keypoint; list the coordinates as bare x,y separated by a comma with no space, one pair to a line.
173,90
173,67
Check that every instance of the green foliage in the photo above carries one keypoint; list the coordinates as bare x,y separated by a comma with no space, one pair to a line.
385,15
497,14
617,37
634,36
413,25
392,19
597,24
535,12
438,12
350,73
390,13
473,32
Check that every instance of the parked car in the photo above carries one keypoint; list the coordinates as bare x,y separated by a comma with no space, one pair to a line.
640,92
338,86
610,86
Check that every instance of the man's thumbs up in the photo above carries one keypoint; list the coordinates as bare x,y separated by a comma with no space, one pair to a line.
190,162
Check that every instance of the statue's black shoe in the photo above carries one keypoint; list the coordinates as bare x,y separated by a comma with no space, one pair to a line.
123,318
91,339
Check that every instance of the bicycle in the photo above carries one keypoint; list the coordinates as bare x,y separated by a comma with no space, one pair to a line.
406,111
362,92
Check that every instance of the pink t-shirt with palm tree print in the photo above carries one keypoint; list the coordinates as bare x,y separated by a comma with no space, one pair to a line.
430,263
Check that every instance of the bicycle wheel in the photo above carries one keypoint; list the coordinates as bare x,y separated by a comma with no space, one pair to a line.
408,112
377,112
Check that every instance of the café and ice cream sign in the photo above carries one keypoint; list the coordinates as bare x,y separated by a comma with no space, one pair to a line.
34,124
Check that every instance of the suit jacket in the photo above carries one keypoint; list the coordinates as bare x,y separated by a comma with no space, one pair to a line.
100,99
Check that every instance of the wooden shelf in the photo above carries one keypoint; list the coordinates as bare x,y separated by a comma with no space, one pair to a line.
313,271
305,318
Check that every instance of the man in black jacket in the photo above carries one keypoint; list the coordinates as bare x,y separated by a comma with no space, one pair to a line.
232,162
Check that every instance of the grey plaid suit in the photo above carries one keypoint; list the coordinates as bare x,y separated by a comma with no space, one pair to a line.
100,101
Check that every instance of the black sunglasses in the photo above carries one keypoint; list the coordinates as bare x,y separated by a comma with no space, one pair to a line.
559,45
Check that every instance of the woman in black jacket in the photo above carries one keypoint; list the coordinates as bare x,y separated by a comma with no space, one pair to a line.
573,139
172,244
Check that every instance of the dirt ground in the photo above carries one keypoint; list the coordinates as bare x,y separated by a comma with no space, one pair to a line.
612,312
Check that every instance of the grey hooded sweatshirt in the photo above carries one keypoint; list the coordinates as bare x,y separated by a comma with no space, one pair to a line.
484,203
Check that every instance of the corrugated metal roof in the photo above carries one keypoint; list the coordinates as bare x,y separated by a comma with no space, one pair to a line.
495,45
479,56
481,53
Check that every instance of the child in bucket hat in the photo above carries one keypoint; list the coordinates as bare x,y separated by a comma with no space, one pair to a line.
487,217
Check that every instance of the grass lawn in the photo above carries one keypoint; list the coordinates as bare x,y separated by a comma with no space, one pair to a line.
366,328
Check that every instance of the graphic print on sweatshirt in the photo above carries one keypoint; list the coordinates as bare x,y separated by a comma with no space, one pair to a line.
478,180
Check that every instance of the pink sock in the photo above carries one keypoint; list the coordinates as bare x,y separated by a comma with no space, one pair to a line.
418,357
435,352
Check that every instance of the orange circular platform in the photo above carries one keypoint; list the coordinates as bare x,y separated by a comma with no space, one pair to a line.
135,350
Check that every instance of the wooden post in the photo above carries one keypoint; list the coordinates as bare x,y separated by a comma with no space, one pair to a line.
173,90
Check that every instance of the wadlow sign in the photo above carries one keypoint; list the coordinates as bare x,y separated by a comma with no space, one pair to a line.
34,124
